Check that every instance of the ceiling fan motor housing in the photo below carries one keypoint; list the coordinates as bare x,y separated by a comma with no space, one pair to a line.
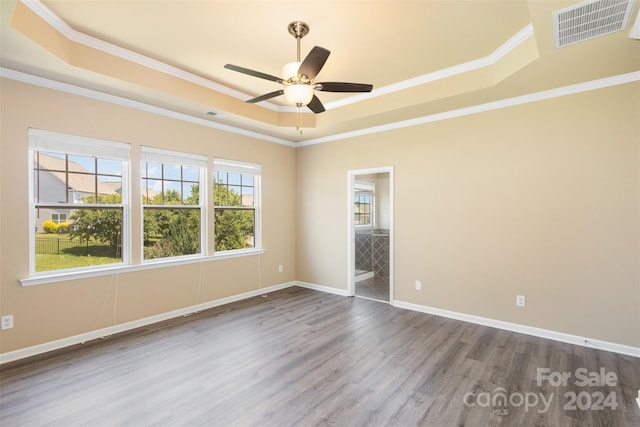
298,29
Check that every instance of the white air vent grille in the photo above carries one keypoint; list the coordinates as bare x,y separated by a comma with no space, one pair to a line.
590,19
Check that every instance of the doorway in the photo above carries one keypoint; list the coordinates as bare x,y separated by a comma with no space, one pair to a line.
370,236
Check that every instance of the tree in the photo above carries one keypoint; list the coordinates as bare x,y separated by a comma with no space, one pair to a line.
103,225
172,232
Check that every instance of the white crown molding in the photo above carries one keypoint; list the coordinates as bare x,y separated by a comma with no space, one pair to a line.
100,96
466,111
489,60
505,103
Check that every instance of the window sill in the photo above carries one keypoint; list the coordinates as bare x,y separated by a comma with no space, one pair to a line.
44,278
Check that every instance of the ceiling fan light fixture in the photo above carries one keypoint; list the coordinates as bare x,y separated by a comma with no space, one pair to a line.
290,71
298,93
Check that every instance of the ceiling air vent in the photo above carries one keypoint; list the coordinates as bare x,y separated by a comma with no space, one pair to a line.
590,19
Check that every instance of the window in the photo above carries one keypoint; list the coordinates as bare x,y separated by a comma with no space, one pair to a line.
363,204
59,218
236,205
80,212
78,208
172,204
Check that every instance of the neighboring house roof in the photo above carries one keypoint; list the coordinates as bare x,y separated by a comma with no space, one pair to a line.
116,187
79,178
247,200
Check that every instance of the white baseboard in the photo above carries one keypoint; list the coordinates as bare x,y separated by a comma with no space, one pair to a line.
524,329
364,276
514,327
322,288
101,333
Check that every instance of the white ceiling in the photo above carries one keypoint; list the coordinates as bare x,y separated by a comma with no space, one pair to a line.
423,57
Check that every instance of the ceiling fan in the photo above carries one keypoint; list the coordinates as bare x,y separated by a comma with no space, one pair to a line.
297,77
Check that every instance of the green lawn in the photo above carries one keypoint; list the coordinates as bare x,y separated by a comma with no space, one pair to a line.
65,253
48,262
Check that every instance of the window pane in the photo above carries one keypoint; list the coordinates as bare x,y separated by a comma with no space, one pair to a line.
220,195
191,173
233,198
234,229
82,187
247,180
247,196
51,187
221,177
172,193
171,232
190,194
109,167
235,178
50,161
93,238
82,163
152,189
172,171
152,170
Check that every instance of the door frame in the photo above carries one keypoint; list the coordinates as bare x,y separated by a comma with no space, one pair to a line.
351,253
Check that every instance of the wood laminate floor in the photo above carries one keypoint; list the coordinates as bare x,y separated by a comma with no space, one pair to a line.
375,288
304,358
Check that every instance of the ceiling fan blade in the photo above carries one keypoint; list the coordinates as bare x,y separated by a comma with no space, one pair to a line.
315,105
313,62
343,87
266,96
253,73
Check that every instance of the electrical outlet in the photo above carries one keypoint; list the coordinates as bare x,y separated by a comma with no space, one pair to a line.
280,268
520,300
418,285
7,322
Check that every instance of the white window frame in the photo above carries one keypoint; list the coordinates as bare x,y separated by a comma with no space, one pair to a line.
47,141
157,155
237,166
54,142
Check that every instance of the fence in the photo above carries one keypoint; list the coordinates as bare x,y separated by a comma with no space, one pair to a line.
59,245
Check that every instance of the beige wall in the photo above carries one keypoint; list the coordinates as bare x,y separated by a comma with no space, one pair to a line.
49,312
541,200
